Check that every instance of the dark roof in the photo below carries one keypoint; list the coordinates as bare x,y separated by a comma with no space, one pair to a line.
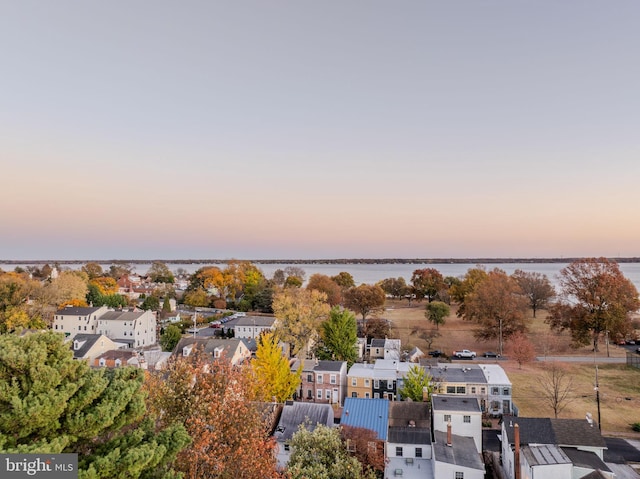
454,374
455,403
378,343
568,430
86,343
334,366
462,451
122,315
586,459
562,432
367,413
262,321
296,413
118,354
74,311
402,412
409,435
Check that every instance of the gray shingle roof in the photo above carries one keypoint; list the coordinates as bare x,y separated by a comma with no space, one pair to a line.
86,343
409,435
402,412
297,413
587,459
121,315
462,451
74,311
455,403
562,432
262,321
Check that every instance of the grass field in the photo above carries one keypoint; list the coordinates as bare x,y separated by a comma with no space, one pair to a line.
619,385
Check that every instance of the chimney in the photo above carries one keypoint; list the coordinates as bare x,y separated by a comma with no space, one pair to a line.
449,443
516,434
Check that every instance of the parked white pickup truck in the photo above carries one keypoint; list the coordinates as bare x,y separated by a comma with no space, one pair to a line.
465,353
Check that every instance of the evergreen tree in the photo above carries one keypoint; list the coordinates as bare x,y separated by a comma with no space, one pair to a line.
51,403
339,337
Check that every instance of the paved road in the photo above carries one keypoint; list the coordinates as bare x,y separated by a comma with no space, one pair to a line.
582,359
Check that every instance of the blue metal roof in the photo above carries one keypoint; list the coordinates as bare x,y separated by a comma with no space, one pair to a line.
367,413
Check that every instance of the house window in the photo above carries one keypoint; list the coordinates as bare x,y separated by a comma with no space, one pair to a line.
376,384
309,378
319,394
505,391
466,419
461,390
451,389
102,362
473,390
286,447
367,383
319,378
354,394
376,395
309,394
118,362
56,326
389,384
447,418
332,379
418,452
459,475
398,451
328,394
495,391
354,382
79,328
367,395
483,390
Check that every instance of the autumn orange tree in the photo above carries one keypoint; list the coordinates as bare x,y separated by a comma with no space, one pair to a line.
427,283
536,287
595,298
325,284
216,403
520,349
460,289
498,306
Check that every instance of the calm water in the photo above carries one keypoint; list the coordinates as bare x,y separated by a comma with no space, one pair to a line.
372,273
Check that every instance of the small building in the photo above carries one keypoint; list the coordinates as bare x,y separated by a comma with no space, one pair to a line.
75,320
408,447
119,358
293,416
136,328
234,350
251,327
456,457
322,381
385,349
90,346
462,413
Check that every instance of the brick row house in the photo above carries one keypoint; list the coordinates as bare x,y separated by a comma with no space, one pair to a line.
322,381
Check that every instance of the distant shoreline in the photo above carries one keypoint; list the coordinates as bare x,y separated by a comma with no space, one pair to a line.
321,261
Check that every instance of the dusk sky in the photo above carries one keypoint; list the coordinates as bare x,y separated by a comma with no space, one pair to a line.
328,129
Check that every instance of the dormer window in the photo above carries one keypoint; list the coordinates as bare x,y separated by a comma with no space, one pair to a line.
76,345
118,362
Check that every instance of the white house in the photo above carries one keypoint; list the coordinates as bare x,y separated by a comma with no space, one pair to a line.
250,327
72,320
408,447
455,457
574,441
136,328
462,413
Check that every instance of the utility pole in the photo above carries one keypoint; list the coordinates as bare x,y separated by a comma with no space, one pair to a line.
598,399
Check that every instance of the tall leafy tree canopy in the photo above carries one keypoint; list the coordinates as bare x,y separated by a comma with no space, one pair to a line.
51,403
416,383
595,298
427,283
339,337
536,287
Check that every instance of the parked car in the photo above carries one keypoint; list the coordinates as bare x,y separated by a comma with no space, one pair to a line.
436,353
464,353
491,354
637,350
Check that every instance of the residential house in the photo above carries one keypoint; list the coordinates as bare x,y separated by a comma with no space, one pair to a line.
455,457
294,415
90,346
372,414
384,349
462,413
382,379
118,358
408,448
136,328
73,320
486,382
549,448
322,381
415,355
250,327
234,350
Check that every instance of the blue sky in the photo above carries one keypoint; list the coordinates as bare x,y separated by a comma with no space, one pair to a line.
259,130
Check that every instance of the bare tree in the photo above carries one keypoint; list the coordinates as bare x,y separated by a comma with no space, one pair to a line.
557,387
536,287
